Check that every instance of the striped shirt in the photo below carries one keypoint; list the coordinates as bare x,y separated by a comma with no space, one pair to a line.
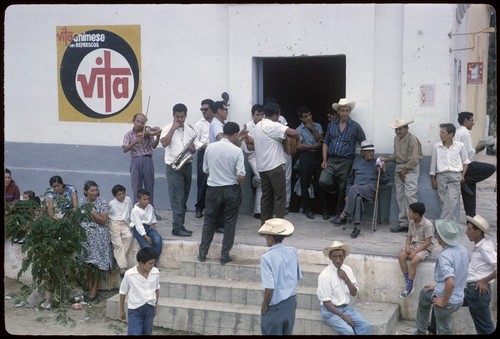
343,144
142,149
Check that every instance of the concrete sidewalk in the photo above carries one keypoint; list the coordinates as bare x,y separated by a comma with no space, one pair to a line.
318,233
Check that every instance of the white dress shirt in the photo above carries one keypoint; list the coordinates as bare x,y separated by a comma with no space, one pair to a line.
448,159
332,288
181,138
463,135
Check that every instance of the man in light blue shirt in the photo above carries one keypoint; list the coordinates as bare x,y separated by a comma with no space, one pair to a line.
280,273
224,164
450,276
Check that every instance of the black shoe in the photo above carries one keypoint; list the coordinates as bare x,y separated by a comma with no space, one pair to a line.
310,215
326,215
157,216
186,230
225,260
122,274
467,189
355,233
198,214
181,233
399,229
202,258
256,215
219,230
338,221
286,211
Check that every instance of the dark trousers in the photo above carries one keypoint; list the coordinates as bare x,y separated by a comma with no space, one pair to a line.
273,202
157,244
179,184
334,179
201,181
309,171
140,320
280,318
226,200
142,176
476,172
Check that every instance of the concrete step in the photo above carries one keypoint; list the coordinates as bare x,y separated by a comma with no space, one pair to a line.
222,318
213,299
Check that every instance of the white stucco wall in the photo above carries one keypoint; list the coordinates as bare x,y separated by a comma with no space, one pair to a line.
192,52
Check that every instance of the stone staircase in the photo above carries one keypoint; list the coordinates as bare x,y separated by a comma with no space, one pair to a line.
211,299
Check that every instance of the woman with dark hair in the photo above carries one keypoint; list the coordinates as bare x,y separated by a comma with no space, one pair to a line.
98,251
11,191
62,197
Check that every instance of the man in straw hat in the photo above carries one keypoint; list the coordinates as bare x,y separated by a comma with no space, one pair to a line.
335,307
339,148
407,155
450,275
280,272
361,184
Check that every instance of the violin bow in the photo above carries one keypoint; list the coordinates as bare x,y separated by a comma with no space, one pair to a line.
147,109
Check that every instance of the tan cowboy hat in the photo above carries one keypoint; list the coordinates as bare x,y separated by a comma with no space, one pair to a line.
277,226
400,122
337,245
449,231
344,102
367,146
479,222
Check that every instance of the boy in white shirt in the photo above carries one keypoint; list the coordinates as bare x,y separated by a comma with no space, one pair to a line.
143,221
119,229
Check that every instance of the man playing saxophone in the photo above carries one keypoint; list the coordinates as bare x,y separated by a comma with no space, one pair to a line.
177,138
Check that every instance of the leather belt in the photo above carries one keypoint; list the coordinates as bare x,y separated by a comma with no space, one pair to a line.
341,305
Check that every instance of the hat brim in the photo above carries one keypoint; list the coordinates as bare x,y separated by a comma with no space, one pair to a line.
351,105
286,231
477,224
400,125
368,149
345,247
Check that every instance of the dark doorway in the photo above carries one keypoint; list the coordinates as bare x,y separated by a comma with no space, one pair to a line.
316,82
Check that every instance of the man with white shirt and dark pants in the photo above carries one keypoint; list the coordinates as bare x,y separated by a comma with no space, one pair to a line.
476,171
448,168
225,166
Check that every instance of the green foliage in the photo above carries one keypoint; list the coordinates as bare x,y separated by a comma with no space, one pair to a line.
63,319
19,215
51,249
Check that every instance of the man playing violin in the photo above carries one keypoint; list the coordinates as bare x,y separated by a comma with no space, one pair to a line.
141,141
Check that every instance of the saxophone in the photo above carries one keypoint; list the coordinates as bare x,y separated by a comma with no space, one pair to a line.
185,157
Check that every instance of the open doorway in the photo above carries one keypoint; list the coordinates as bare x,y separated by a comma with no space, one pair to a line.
316,82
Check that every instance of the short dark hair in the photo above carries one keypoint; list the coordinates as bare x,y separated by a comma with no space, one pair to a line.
462,116
208,102
257,108
142,192
179,108
268,100
54,179
89,184
271,109
217,105
145,254
303,110
30,193
417,207
117,188
230,128
450,128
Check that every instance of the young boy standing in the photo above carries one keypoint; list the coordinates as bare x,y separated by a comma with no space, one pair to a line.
119,229
418,244
141,284
143,221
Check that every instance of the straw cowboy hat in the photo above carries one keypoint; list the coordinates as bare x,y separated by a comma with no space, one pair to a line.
344,102
449,231
337,245
367,146
277,226
479,222
400,122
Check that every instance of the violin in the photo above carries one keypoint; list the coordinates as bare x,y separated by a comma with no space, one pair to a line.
149,131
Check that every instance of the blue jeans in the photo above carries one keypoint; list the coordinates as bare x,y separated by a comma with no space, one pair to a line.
140,320
157,240
361,325
479,308
443,314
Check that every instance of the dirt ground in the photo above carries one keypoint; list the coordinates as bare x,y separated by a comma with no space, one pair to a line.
91,320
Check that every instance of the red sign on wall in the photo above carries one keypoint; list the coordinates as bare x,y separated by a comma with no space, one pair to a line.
474,72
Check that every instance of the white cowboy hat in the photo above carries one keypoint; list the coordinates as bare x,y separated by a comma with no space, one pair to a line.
344,102
337,245
479,222
400,122
449,231
277,226
367,146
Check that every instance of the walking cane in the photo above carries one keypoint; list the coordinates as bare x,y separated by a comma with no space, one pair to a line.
375,204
